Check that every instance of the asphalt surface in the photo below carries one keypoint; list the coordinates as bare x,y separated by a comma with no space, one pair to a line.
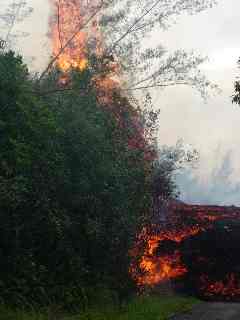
212,311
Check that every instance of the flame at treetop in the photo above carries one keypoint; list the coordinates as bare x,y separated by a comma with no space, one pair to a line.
67,23
75,34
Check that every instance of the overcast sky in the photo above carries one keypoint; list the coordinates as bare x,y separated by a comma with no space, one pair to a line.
213,128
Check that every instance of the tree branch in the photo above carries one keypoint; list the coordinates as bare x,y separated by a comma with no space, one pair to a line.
130,29
168,66
84,91
59,26
79,28
157,85
13,20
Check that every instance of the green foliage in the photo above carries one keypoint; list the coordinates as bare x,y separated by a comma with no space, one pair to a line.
106,191
236,96
73,194
143,308
30,171
76,187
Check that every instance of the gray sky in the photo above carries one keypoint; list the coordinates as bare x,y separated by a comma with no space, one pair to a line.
213,128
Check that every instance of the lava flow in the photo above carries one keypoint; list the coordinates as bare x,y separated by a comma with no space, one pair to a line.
228,288
190,246
156,269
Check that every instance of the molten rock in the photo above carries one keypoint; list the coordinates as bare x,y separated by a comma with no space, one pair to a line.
198,249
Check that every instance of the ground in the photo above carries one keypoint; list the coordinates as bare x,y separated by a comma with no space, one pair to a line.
154,307
212,311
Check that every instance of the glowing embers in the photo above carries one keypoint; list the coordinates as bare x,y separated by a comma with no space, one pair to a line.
227,288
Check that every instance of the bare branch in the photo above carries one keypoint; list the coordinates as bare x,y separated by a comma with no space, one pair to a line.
157,85
131,28
78,29
2,44
59,27
13,20
85,90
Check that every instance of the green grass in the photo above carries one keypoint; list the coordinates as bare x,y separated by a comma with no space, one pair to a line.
142,308
8,314
146,308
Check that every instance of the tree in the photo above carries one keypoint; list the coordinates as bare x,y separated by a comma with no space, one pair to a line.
236,96
77,156
122,28
31,166
74,180
13,14
127,24
107,194
169,162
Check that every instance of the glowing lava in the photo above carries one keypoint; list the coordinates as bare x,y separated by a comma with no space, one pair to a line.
162,257
156,269
227,288
161,268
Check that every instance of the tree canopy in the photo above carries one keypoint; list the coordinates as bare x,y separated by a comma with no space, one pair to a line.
73,180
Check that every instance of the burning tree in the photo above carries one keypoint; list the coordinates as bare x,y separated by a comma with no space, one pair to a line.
104,39
116,30
81,167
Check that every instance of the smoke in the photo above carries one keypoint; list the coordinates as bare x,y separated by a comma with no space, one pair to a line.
219,186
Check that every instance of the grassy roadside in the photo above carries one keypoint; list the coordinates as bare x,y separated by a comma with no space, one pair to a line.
143,308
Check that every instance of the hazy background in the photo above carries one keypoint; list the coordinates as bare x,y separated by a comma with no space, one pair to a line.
213,128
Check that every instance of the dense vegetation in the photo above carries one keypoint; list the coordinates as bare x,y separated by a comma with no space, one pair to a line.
75,188
142,308
236,95
80,173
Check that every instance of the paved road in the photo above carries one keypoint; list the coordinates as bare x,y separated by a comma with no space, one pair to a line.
212,311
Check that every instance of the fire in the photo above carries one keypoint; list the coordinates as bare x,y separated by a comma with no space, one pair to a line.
157,269
73,45
160,269
76,41
67,22
226,288
162,258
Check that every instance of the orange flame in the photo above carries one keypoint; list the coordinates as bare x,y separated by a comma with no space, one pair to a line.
160,269
157,269
68,20
183,221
